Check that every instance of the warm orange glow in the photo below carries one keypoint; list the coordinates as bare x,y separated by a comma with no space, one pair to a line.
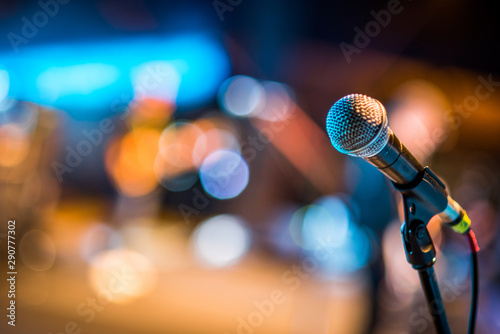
184,145
217,134
149,111
176,149
14,145
130,161
121,275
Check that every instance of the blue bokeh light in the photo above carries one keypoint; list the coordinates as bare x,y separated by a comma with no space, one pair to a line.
328,226
224,174
241,96
327,220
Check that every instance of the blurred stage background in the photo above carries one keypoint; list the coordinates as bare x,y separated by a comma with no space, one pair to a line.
168,168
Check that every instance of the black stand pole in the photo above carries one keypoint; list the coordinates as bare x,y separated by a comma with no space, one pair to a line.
431,290
421,254
422,200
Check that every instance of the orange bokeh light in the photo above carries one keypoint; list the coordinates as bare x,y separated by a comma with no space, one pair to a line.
130,161
14,145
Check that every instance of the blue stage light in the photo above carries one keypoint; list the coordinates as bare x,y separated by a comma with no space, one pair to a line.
95,79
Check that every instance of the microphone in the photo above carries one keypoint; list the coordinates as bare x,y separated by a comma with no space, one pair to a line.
358,126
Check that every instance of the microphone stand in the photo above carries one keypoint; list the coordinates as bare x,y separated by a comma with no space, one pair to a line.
423,198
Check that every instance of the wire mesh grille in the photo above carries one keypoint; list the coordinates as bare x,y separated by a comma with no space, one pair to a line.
357,125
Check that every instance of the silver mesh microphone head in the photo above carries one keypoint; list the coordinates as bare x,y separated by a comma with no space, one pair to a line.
358,125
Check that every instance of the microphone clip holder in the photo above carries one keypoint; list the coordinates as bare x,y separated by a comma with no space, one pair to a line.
423,198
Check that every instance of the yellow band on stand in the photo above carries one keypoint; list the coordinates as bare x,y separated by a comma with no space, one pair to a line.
463,225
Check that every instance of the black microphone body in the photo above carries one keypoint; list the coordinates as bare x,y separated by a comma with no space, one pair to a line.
396,162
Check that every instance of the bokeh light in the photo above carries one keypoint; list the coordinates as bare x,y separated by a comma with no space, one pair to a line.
278,102
185,145
37,250
327,226
221,241
212,140
173,165
149,112
121,275
418,116
241,96
130,161
327,220
224,174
